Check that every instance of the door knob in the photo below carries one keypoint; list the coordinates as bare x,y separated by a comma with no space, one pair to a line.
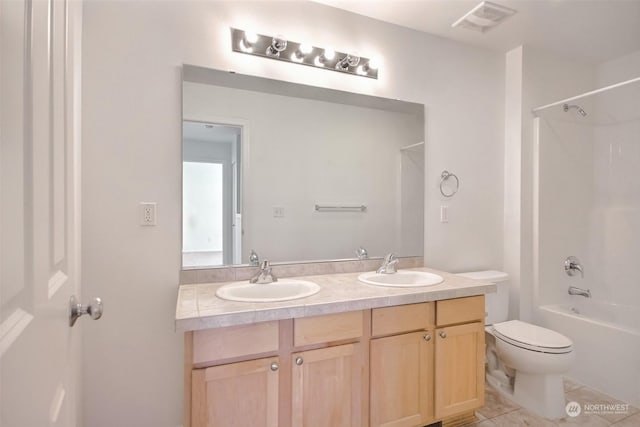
427,337
299,361
274,366
443,334
94,310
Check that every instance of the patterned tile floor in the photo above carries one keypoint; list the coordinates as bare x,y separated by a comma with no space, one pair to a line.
500,412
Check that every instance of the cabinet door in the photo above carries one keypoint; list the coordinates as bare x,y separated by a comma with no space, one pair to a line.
459,372
401,378
327,387
238,394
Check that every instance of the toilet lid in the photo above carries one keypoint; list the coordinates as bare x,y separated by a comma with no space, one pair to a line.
532,335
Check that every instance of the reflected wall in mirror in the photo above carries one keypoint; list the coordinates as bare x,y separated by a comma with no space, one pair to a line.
297,173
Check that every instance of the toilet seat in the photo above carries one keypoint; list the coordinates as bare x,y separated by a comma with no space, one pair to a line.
531,337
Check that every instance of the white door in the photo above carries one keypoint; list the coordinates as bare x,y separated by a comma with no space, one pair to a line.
39,217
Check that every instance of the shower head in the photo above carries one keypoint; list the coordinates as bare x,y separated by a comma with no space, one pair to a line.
567,107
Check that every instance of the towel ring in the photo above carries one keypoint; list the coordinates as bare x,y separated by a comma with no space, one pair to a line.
443,178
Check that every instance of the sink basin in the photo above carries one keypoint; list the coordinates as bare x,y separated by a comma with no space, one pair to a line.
282,290
401,279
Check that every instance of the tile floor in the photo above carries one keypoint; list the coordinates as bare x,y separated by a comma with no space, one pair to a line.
500,412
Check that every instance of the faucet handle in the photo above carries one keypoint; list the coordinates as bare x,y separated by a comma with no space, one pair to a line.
254,259
390,257
362,253
571,265
265,264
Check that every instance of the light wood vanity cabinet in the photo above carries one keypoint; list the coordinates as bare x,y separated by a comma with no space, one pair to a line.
459,356
401,366
395,366
326,387
296,372
245,392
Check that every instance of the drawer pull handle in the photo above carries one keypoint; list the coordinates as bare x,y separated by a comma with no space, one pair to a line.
427,337
443,334
274,366
299,361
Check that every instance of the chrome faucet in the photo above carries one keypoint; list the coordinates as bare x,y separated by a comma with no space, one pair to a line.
264,275
362,253
253,258
573,290
572,265
389,265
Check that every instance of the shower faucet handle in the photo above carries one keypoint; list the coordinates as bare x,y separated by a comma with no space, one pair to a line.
572,266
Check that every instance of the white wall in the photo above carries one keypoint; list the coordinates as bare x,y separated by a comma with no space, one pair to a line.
132,52
618,70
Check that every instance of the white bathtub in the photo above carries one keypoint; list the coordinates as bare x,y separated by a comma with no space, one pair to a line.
606,340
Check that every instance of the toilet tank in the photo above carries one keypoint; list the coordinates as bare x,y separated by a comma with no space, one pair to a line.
496,304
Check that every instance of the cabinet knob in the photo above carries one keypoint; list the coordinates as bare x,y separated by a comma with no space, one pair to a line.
443,334
299,361
427,337
274,366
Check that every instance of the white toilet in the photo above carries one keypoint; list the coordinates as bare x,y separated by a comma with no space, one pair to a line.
525,362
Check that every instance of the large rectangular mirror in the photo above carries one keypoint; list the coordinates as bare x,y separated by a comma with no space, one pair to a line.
291,172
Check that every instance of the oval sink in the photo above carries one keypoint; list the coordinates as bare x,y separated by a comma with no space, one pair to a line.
282,290
402,278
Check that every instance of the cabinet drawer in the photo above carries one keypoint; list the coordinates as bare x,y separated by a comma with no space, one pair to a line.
210,345
324,329
460,310
402,318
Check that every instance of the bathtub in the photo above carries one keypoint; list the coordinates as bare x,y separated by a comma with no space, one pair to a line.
606,341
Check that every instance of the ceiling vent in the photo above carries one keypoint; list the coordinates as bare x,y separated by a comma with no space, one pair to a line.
484,17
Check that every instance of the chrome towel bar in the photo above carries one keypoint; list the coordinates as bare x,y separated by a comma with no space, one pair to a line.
361,208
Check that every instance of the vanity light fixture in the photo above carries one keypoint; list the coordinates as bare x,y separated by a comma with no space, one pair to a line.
278,47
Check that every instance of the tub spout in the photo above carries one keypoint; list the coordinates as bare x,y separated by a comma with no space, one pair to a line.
573,290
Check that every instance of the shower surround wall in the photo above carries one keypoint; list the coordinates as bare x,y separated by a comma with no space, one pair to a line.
616,199
589,206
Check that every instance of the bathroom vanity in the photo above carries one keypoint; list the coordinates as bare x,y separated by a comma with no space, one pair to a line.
350,355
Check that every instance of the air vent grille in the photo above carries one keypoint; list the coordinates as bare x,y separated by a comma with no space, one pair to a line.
484,17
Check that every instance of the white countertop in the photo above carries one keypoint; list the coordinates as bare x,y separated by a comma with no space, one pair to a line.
198,307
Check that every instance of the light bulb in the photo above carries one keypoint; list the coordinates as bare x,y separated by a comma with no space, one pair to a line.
306,48
329,54
374,63
250,37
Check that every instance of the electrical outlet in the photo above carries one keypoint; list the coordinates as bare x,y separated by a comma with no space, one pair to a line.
147,213
278,212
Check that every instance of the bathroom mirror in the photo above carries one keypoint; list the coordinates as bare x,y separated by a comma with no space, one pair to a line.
297,173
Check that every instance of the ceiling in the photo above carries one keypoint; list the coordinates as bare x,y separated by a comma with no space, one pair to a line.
591,31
